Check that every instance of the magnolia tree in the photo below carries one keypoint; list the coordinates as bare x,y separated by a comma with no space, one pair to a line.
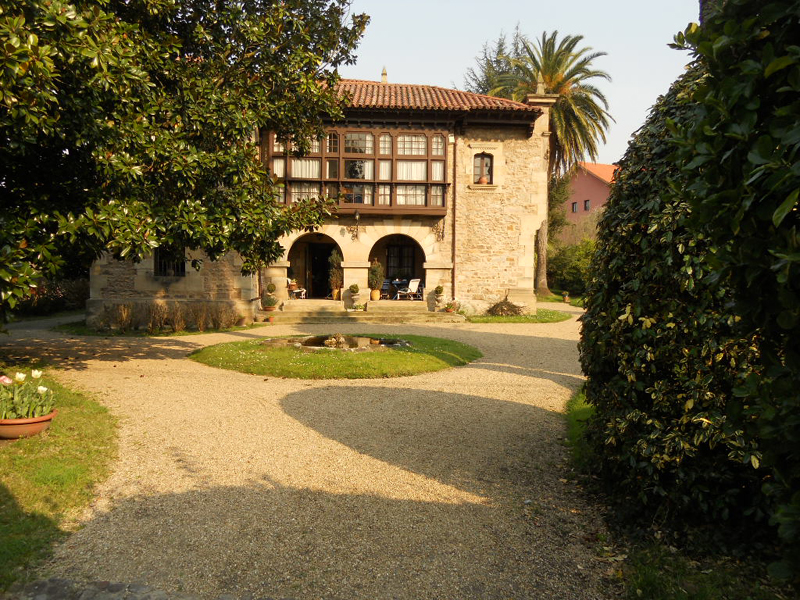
131,124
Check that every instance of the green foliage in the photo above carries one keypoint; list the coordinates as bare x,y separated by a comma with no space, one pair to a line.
543,315
741,151
658,346
129,124
493,62
558,192
353,288
376,275
570,267
25,396
425,354
49,297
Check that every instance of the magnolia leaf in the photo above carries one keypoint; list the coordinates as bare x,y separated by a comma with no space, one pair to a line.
785,208
778,64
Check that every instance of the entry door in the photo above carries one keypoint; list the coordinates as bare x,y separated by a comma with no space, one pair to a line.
319,265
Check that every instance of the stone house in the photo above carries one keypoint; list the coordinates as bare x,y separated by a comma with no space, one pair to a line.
440,185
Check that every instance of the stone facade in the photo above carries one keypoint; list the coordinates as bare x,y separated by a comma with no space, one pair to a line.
478,243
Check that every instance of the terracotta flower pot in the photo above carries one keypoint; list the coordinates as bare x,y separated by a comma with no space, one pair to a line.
11,429
270,308
375,295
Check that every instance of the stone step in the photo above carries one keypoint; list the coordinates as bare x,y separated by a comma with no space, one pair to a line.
361,317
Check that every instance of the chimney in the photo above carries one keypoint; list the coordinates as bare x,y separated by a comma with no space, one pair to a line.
384,76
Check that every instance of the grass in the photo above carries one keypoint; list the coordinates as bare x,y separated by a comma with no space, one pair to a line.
46,479
574,301
80,328
543,315
657,571
424,355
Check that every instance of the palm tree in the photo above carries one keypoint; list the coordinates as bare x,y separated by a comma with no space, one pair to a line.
578,119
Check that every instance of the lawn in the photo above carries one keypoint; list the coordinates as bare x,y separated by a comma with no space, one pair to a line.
424,355
543,315
46,479
80,328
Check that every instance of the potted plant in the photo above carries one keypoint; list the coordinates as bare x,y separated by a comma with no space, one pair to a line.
375,278
438,294
270,302
451,306
354,293
336,276
292,284
26,406
566,297
271,288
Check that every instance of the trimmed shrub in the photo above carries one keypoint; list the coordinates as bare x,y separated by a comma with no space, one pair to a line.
659,349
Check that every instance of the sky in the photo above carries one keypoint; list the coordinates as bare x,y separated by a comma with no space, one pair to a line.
435,42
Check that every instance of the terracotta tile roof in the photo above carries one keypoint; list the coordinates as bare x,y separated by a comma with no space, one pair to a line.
374,94
599,170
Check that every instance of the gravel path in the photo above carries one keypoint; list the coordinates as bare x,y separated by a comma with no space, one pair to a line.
443,485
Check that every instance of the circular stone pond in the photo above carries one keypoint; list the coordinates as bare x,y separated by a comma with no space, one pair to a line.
339,356
338,341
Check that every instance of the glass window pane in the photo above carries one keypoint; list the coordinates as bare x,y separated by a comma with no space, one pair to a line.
411,195
358,143
359,169
331,190
302,190
412,170
385,170
306,168
416,145
482,168
333,169
437,195
279,167
437,145
278,146
384,194
357,194
314,146
386,144
333,143
437,170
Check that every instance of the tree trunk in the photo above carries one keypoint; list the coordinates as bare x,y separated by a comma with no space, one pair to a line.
540,278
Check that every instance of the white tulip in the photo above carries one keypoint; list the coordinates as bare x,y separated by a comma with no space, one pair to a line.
20,377
41,389
36,374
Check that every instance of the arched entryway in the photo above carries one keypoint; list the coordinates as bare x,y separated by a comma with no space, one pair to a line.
401,256
309,263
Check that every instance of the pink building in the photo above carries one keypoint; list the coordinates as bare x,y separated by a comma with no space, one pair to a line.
590,188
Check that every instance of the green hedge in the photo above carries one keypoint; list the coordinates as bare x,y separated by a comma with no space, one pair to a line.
693,314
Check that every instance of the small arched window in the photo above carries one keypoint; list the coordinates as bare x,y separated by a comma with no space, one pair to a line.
483,169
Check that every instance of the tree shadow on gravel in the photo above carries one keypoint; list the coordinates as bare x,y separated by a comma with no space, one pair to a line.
265,540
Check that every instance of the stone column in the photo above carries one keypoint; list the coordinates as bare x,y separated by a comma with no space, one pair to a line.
277,274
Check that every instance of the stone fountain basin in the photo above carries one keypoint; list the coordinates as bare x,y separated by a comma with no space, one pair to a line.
346,342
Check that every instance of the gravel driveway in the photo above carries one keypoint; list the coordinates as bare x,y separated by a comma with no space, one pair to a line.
444,485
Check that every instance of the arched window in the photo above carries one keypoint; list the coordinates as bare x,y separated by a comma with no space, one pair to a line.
483,170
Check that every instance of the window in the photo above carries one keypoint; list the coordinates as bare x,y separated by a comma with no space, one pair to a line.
301,191
384,194
279,167
415,145
399,261
412,170
383,167
482,171
169,262
306,168
437,145
358,194
358,143
333,143
586,204
358,169
574,207
411,195
385,144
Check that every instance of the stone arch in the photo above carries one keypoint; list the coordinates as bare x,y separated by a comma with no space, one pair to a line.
308,262
401,255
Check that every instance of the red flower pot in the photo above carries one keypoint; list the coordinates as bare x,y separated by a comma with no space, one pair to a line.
11,429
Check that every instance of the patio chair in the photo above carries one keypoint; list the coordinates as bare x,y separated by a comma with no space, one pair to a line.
412,292
386,289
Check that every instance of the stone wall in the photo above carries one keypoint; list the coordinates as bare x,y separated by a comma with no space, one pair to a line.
496,224
114,283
